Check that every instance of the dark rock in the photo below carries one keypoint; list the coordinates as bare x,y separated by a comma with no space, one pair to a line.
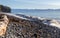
5,9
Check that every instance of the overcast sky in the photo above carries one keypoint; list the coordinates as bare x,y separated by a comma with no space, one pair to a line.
31,4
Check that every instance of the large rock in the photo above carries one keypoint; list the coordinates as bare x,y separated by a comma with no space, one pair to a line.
22,28
5,9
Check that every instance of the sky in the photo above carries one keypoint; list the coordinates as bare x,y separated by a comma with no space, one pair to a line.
31,4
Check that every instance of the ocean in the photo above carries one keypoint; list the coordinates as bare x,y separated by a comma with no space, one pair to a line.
38,13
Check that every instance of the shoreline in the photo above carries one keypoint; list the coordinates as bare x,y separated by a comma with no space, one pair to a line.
34,18
47,21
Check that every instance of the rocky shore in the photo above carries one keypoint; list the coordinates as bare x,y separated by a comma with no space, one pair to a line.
21,26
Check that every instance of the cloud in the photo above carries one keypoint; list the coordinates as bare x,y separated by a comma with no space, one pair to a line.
31,3
57,3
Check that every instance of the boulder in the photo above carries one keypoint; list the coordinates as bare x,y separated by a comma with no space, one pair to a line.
5,9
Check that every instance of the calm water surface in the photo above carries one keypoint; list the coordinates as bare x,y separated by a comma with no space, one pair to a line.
45,14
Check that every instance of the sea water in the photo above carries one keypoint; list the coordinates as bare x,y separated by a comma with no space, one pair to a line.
38,13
